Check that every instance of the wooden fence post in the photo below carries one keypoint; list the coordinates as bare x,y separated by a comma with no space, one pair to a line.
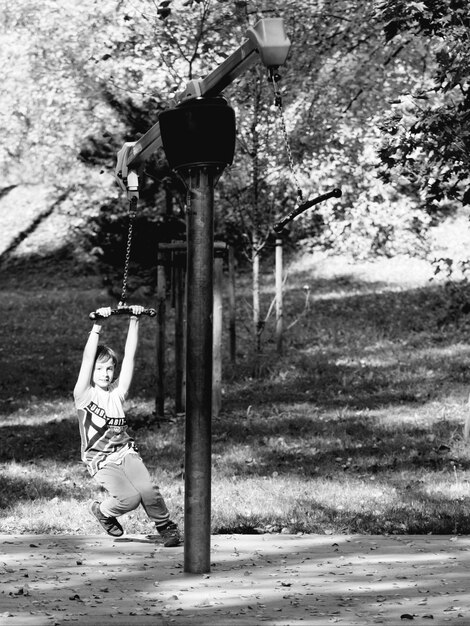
179,258
160,336
279,303
219,249
231,305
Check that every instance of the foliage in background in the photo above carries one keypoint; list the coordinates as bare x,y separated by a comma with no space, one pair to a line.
428,132
81,80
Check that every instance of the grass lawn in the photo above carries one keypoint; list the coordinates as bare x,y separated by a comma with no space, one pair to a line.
356,428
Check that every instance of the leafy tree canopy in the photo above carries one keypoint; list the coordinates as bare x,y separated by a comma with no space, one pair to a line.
428,132
80,80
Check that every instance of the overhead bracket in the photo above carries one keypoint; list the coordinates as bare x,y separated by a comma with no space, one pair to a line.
266,41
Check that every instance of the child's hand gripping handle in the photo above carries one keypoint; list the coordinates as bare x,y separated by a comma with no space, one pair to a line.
122,310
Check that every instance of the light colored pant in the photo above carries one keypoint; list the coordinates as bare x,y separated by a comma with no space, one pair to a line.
129,484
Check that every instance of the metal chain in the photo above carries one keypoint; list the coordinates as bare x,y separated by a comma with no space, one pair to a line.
132,213
278,103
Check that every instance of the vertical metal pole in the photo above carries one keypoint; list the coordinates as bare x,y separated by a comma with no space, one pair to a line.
217,322
197,515
279,311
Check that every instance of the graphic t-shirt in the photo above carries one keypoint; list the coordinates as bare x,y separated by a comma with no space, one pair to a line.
103,427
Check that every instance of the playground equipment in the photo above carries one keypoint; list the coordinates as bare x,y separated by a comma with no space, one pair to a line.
123,308
266,41
171,269
198,138
279,228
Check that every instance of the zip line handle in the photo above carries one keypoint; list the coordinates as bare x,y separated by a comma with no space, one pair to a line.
123,310
278,226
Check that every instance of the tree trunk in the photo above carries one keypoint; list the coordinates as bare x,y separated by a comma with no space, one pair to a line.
257,323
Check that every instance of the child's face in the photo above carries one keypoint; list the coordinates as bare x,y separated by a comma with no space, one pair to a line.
103,373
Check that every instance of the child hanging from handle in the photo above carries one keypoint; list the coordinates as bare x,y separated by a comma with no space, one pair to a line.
107,448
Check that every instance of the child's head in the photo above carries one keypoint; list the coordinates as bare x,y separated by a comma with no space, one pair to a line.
104,366
104,353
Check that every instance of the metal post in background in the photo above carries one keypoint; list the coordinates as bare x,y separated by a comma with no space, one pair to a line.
160,337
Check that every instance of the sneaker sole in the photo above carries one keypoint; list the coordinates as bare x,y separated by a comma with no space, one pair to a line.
112,533
172,543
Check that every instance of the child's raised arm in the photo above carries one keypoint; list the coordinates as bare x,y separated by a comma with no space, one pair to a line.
127,367
88,358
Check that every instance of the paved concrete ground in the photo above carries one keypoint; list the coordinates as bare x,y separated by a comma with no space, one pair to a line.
255,579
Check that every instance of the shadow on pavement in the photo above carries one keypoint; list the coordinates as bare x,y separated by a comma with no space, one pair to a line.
264,579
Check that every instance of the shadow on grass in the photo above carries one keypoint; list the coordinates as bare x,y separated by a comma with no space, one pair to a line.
328,384
15,489
359,351
45,330
58,440
413,513
352,445
353,352
348,450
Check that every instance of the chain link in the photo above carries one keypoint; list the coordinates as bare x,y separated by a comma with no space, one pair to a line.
278,103
132,213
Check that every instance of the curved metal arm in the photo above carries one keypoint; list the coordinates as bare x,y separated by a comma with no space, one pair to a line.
123,310
278,226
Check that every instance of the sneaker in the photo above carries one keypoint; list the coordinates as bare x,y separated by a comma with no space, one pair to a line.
170,534
110,524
